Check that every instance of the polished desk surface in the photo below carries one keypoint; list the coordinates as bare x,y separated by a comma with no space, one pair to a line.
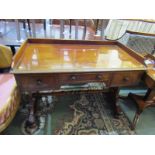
72,58
63,62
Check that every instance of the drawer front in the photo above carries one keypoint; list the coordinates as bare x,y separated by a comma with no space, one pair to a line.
149,81
125,78
83,78
40,82
36,82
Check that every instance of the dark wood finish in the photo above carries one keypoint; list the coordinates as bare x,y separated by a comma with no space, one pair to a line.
84,78
33,82
132,53
31,122
37,82
114,96
62,41
48,81
125,78
149,81
149,56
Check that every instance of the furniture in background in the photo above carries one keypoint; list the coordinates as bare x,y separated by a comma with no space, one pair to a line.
143,44
14,32
143,102
100,28
9,99
117,27
5,58
9,93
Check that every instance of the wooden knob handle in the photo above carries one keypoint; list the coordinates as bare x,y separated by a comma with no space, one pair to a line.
39,82
125,79
99,77
73,77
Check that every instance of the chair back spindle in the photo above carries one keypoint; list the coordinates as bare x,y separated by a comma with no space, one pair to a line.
33,28
84,30
62,29
76,29
18,30
45,30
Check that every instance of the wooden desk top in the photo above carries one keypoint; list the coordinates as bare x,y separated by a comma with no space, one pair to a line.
42,57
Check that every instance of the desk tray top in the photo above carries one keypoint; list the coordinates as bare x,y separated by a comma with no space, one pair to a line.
52,56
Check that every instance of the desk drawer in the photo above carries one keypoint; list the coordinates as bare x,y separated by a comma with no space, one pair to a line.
36,82
39,82
125,78
83,78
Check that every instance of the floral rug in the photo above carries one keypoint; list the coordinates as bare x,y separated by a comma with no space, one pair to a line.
92,115
74,114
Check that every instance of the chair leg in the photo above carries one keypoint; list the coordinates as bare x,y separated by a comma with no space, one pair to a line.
135,120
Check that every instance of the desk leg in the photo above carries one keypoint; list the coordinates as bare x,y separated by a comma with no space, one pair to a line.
31,124
114,96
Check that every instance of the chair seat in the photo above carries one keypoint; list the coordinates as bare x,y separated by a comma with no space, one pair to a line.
5,57
9,99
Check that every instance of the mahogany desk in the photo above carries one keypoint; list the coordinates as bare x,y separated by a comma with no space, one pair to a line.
46,64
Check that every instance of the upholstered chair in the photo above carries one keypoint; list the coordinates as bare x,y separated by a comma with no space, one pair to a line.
9,94
5,58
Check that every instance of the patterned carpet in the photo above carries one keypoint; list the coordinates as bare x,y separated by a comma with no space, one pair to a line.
91,115
86,114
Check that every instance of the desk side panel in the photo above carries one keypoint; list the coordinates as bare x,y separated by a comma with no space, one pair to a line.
132,53
18,55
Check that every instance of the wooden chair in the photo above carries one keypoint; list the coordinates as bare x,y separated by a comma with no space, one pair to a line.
144,44
100,28
148,100
75,28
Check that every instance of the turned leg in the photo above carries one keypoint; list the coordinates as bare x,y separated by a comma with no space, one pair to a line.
135,120
114,96
31,118
31,123
142,103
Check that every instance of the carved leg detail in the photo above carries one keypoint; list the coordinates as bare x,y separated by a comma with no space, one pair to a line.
31,118
114,96
135,120
31,123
